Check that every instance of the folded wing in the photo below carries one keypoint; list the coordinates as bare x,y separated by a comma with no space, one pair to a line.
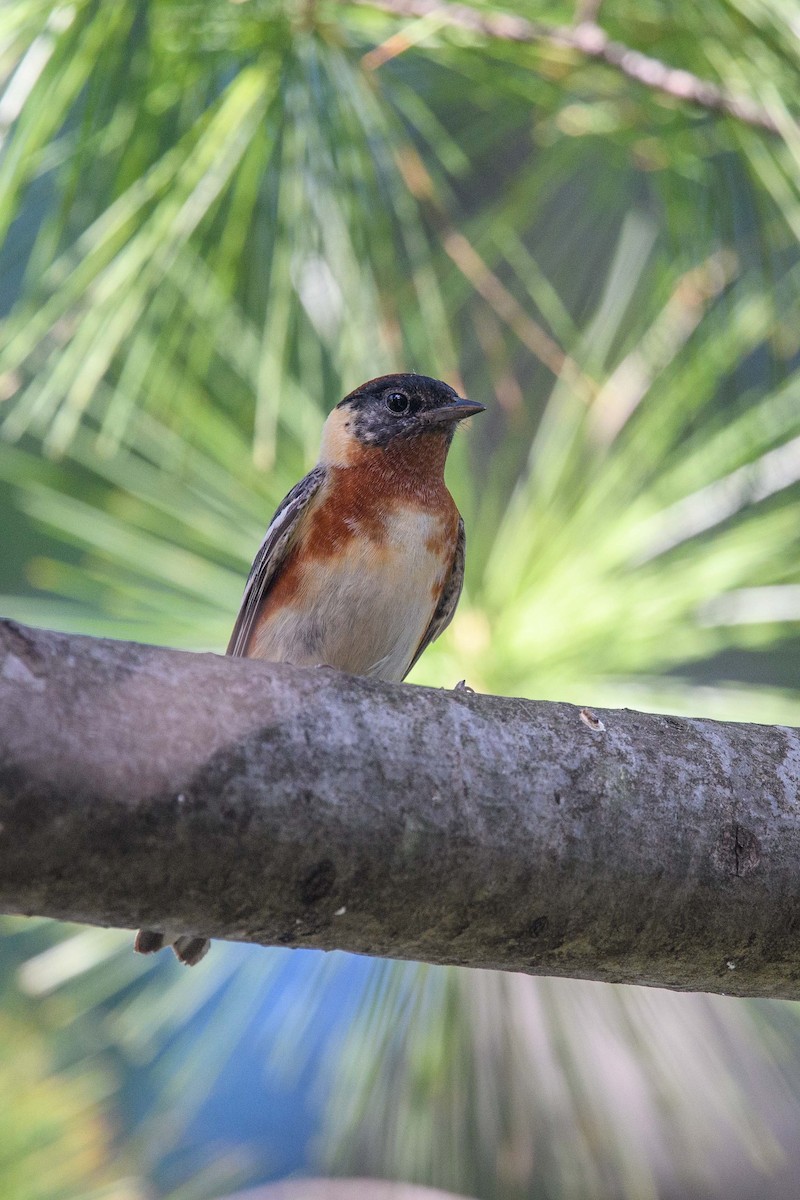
273,550
448,600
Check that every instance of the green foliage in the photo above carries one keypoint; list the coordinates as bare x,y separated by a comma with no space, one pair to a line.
216,219
56,1121
506,1086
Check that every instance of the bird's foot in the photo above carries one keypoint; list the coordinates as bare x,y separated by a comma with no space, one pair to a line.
463,686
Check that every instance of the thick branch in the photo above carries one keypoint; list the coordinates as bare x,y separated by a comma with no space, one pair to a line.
590,41
271,804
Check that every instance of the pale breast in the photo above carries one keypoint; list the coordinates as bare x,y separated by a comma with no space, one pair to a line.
366,608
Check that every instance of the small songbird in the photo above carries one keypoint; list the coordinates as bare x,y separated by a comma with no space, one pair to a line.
362,565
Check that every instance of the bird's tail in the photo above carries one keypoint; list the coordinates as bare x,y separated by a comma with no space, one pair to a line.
188,948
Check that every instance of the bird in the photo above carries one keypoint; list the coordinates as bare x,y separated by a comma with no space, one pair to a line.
362,565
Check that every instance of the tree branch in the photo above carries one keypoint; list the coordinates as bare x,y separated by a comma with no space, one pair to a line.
591,41
266,803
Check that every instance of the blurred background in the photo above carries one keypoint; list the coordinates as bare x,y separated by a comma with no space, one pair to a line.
216,218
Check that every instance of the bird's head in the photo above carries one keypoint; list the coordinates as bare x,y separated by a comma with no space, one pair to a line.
392,409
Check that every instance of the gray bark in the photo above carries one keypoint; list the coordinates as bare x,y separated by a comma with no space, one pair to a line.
344,1189
274,804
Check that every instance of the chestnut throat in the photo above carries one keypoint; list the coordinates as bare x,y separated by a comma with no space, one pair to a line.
408,467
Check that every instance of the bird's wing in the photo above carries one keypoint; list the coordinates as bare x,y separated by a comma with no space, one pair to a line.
448,600
277,541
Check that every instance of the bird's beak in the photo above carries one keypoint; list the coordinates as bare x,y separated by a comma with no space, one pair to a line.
456,411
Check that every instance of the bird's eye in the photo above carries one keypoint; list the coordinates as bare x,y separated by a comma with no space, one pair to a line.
398,403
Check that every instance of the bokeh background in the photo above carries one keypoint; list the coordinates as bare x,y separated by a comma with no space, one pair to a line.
217,217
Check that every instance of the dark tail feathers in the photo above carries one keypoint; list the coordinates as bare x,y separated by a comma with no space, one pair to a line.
188,948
